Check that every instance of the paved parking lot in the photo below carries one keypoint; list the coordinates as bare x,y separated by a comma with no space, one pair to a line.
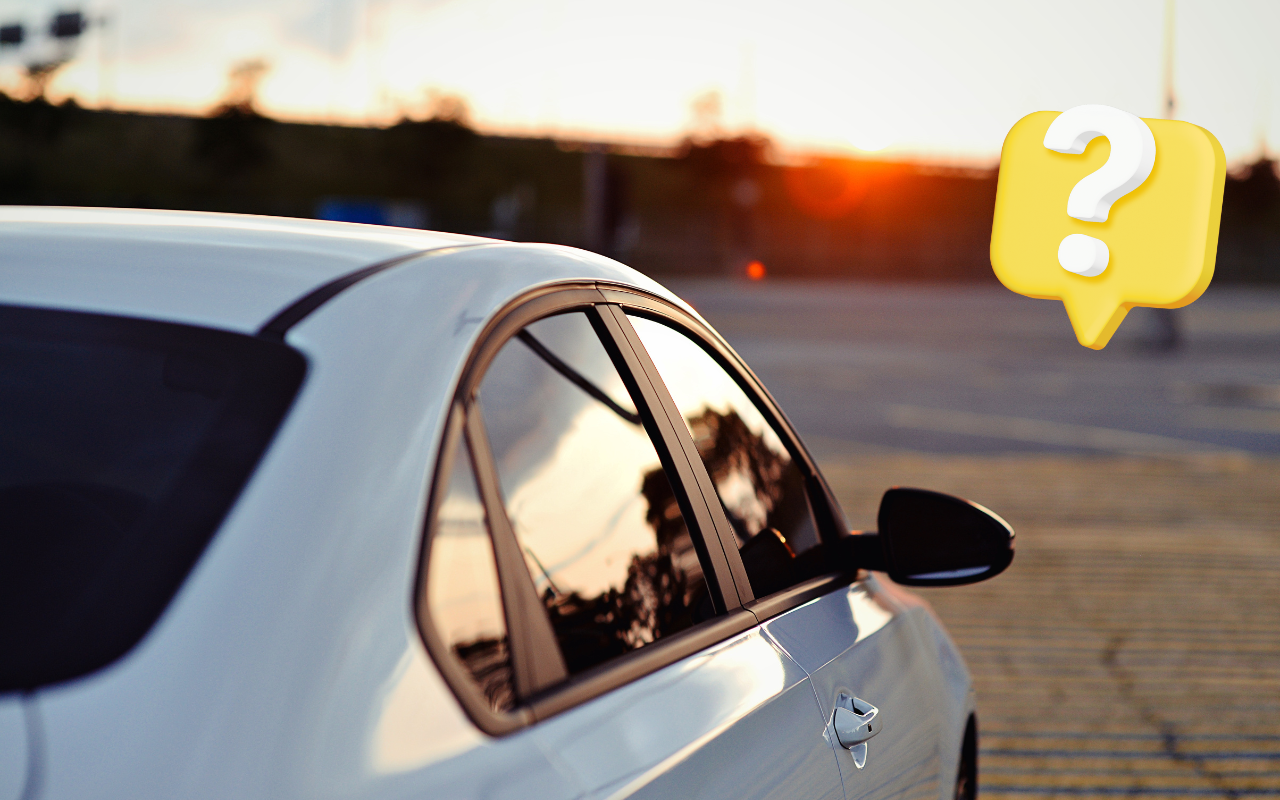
1134,646
965,369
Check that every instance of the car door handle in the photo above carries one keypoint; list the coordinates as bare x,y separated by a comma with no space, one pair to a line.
852,728
855,721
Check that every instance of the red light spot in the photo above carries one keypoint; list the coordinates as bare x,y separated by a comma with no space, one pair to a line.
755,271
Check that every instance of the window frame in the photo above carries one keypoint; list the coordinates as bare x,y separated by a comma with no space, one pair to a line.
537,664
828,517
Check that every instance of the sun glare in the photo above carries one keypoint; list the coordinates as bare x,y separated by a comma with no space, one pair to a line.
848,78
871,136
870,143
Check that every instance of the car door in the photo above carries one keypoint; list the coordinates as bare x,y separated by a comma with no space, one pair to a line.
621,643
855,640
860,642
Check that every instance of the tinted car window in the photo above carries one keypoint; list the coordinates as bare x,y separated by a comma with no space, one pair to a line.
463,598
122,444
602,533
761,487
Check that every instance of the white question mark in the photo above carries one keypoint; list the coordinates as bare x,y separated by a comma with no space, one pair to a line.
1133,154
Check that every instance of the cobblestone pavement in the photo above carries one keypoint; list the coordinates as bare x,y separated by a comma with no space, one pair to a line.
1133,648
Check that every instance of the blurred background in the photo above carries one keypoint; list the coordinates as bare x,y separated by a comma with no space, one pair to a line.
817,178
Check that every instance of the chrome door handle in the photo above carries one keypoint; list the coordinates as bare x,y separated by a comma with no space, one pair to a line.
852,728
855,722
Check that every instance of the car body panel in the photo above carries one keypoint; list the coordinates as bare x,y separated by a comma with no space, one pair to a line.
861,642
219,270
268,673
736,720
15,753
954,699
289,664
957,702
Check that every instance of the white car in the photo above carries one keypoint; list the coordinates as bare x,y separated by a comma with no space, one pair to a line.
296,509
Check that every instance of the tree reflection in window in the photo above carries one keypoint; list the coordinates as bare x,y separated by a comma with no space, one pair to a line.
664,591
594,512
760,485
763,494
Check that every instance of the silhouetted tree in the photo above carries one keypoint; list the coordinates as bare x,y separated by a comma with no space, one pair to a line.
1250,238
1256,193
232,140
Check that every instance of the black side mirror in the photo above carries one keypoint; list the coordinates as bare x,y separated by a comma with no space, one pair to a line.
934,539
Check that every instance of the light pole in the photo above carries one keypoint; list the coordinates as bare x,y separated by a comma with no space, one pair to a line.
1167,335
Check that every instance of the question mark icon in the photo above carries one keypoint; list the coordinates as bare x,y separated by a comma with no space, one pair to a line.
1133,154
1163,239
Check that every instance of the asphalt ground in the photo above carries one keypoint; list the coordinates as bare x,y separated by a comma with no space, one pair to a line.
1133,648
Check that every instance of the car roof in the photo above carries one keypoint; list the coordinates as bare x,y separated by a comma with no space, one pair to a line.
229,271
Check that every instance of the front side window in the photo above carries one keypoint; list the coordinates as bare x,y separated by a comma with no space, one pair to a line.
761,487
597,520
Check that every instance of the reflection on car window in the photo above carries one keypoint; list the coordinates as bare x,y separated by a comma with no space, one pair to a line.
760,486
463,598
593,510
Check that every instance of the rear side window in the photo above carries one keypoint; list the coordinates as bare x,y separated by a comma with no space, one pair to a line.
123,443
463,595
594,511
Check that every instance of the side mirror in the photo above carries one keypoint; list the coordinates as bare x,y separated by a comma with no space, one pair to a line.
934,539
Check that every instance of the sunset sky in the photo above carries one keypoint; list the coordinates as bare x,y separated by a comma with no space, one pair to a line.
908,78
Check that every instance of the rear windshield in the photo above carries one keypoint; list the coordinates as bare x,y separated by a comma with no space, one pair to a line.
123,443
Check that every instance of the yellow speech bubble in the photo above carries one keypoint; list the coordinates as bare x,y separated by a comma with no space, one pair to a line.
1161,238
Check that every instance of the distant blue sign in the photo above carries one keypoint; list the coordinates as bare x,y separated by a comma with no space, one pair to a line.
397,213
